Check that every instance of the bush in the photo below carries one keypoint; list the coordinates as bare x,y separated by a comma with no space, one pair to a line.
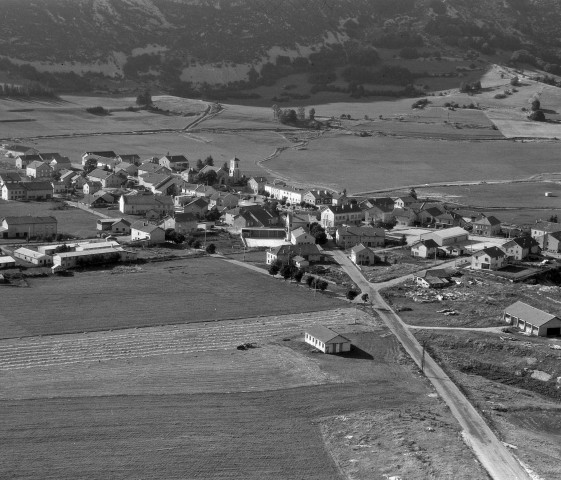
98,111
196,244
351,294
273,269
537,116
211,248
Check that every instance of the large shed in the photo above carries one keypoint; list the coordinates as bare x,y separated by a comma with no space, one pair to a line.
531,320
326,340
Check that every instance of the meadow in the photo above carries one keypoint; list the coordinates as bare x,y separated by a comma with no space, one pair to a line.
182,291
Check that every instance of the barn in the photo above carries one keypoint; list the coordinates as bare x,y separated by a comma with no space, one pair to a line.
326,340
532,321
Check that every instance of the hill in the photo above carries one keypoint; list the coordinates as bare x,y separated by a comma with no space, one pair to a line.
212,48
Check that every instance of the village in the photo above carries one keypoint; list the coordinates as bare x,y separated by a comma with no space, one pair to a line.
141,204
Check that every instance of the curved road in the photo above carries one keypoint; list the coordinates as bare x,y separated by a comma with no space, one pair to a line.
490,451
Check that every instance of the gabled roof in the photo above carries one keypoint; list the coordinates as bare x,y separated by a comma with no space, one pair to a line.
99,173
548,227
361,231
437,273
493,252
323,334
199,202
37,164
68,174
259,179
298,232
297,249
154,178
340,209
30,253
104,153
320,193
185,217
24,220
524,242
131,157
530,314
361,248
407,199
433,211
35,186
487,220
175,158
150,167
429,243
450,232
145,227
30,157
10,176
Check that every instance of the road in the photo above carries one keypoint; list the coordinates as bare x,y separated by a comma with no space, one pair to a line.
490,451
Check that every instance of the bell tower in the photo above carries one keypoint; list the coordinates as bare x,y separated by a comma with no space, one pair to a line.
234,173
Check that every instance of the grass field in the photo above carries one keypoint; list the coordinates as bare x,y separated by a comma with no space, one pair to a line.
278,411
73,221
183,291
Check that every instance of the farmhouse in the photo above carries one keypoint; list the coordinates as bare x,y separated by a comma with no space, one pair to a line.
253,216
405,217
9,177
361,255
22,161
142,230
90,188
16,150
279,191
106,179
105,154
486,226
540,230
378,210
7,262
300,236
185,223
491,258
150,167
531,320
132,158
33,256
223,199
38,190
286,253
141,204
335,216
60,163
424,248
130,169
521,248
38,169
326,340
551,242
198,206
14,191
403,202
435,278
117,226
369,236
446,236
28,227
318,197
257,184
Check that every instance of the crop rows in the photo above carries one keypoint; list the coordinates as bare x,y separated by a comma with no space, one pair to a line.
152,341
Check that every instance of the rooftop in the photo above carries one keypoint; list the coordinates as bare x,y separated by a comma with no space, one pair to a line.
526,312
323,334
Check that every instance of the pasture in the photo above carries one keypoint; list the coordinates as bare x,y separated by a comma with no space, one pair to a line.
72,221
196,404
182,291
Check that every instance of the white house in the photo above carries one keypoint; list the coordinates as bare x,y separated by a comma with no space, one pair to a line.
299,236
326,340
334,216
491,258
151,233
361,255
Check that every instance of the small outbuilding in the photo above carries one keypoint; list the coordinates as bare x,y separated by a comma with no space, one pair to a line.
326,340
532,321
7,262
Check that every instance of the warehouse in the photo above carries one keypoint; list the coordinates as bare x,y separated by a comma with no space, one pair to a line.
532,321
326,340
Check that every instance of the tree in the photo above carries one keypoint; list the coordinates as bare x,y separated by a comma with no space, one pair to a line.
298,274
319,233
62,248
322,285
301,114
225,166
515,81
209,178
275,111
211,248
351,294
286,271
209,161
536,105
144,99
537,116
196,244
310,281
200,165
364,297
273,269
312,113
90,165
553,219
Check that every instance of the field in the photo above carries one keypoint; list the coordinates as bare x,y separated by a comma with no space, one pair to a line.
72,221
182,291
196,404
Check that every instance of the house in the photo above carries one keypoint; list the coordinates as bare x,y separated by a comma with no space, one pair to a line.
224,199
175,163
130,169
79,181
326,340
105,154
282,191
7,262
164,184
60,163
199,207
186,223
22,161
58,188
378,210
521,248
296,220
38,190
254,216
38,169
118,226
446,236
362,255
369,236
106,178
147,232
95,256
318,197
33,256
133,159
405,217
531,320
285,253
141,204
551,242
334,216
339,199
222,177
490,258
28,227
9,177
15,150
403,202
301,237
90,187
149,167
435,278
257,184
540,229
107,163
14,192
437,217
67,177
424,248
486,226
300,262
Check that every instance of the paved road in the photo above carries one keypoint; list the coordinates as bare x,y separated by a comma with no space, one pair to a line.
492,454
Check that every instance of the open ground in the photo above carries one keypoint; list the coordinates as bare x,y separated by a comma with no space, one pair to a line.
196,404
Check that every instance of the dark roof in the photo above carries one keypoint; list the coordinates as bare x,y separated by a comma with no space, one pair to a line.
429,243
10,176
24,220
548,227
339,209
150,167
361,231
487,220
36,164
106,154
99,173
259,179
176,159
524,242
323,334
185,217
530,314
144,226
297,249
493,252
37,185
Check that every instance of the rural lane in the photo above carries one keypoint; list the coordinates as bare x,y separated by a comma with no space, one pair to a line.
490,451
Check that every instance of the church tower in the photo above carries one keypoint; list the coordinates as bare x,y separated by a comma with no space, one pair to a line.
234,173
